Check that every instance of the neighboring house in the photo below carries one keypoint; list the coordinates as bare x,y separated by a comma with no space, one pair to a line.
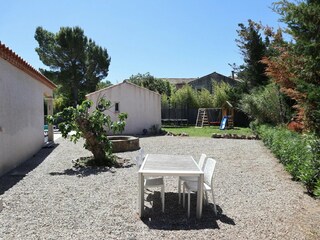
207,81
202,82
23,91
142,106
178,82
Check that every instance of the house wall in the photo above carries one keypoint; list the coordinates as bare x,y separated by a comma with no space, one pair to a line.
142,105
21,115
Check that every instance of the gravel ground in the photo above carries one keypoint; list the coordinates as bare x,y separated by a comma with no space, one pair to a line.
46,198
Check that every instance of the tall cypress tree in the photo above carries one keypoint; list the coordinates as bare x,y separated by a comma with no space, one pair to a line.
253,49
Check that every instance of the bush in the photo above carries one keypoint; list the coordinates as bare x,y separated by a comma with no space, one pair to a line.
300,154
266,105
94,127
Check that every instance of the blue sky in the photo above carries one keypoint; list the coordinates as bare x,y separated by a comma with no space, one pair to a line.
168,38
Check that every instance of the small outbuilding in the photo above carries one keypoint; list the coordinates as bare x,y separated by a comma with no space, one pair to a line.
23,91
142,105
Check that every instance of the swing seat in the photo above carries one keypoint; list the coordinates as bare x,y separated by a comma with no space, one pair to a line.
214,123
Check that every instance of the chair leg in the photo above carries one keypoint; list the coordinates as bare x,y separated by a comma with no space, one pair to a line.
162,197
206,198
188,203
179,190
184,200
214,203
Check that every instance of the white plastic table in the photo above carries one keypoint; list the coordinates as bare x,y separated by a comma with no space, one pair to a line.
169,165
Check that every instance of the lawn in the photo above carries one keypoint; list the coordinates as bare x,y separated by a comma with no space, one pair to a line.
207,131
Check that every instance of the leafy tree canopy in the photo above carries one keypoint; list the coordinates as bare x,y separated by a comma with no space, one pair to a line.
94,127
75,62
103,84
220,95
297,68
186,97
150,82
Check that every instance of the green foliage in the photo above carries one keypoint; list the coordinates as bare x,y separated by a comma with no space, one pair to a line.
205,99
103,84
220,95
236,93
265,105
75,62
303,23
150,82
165,101
253,49
93,127
186,97
300,154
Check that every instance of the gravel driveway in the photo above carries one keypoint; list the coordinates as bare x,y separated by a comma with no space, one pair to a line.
47,199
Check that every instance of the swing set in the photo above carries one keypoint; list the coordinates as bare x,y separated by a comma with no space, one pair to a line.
222,117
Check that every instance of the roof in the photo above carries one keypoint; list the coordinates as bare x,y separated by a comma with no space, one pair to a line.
10,56
215,76
117,85
178,80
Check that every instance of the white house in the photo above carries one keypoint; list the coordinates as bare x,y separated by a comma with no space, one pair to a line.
142,106
23,91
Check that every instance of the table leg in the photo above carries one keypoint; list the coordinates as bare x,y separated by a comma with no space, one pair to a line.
141,194
200,196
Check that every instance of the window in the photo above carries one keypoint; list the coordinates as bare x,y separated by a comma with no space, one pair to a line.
116,107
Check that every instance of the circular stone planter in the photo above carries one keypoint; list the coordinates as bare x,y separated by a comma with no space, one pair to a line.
124,143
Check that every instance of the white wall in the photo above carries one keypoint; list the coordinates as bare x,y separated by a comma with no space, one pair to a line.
142,105
21,116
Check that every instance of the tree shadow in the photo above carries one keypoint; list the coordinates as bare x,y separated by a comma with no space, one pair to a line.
83,172
88,170
175,216
11,178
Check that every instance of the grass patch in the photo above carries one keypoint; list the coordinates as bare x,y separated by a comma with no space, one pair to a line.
207,131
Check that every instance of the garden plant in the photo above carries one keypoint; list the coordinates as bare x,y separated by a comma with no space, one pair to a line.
94,127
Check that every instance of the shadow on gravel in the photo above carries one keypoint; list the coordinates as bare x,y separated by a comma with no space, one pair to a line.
175,216
12,177
82,172
87,171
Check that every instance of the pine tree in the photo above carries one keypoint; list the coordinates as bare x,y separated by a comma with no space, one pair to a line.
75,62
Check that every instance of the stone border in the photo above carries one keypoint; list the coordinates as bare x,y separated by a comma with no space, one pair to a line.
217,135
235,136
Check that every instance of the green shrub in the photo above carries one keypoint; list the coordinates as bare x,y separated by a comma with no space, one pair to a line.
300,154
266,105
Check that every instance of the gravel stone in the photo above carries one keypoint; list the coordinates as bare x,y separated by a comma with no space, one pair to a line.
47,198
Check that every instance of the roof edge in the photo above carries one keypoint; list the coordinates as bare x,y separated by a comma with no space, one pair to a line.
11,57
118,84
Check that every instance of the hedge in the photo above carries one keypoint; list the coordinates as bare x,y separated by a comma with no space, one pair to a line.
300,154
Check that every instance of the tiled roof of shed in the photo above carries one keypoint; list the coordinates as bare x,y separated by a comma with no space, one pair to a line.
11,57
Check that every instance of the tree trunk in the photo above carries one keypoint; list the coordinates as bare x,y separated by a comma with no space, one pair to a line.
93,144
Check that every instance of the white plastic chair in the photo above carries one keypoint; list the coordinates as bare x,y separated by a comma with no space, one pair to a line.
151,182
182,179
192,186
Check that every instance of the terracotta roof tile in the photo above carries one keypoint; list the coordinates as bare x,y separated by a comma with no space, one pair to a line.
11,57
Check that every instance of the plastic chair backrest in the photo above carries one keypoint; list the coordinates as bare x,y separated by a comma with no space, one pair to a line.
141,153
139,158
208,170
202,160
